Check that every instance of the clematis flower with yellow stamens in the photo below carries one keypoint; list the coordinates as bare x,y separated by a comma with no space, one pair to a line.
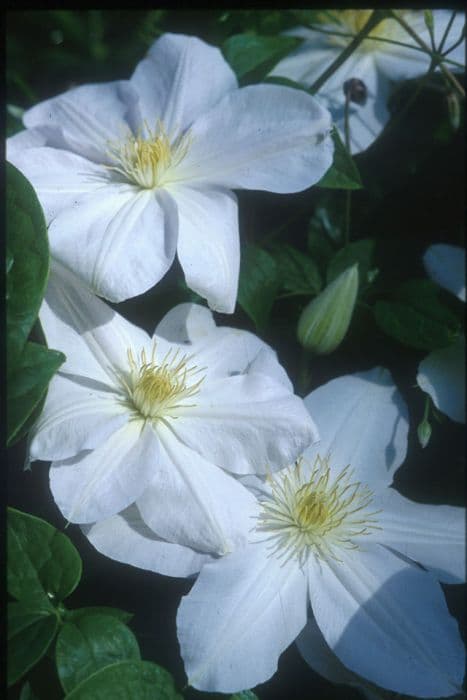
132,172
163,422
369,72
333,560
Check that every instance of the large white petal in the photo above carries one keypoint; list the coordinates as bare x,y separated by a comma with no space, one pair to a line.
432,535
125,537
120,244
186,323
442,375
445,264
388,621
99,483
312,646
59,177
208,244
246,424
193,503
75,417
85,118
264,137
362,421
241,614
28,138
94,338
181,78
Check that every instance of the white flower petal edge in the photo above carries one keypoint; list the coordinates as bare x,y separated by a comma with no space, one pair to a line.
431,534
126,538
114,164
241,613
363,421
322,523
388,609
445,264
442,375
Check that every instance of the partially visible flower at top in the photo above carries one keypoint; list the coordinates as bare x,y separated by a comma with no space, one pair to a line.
131,172
442,373
330,533
161,421
371,67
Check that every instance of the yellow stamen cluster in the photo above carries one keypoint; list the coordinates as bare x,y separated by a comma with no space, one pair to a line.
157,389
148,161
353,21
317,516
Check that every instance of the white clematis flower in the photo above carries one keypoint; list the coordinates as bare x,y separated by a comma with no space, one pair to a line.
131,172
330,534
442,373
375,63
156,421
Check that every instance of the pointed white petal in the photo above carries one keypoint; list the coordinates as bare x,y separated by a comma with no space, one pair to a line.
99,483
264,137
186,323
94,338
388,621
85,119
125,537
195,504
75,417
28,138
208,244
362,421
120,244
181,78
242,613
442,375
59,177
246,424
432,535
445,264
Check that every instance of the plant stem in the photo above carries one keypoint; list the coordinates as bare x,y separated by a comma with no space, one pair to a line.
347,192
446,31
436,58
349,35
374,19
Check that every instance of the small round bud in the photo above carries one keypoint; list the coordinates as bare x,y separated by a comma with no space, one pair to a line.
355,90
323,324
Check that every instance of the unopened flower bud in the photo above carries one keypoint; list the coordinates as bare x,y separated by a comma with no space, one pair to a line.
355,90
424,433
325,321
454,110
428,17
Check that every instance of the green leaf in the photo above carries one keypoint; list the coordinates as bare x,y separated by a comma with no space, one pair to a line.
27,263
42,562
244,695
30,632
27,385
90,642
417,318
360,252
297,272
138,680
254,56
343,173
258,284
27,693
122,615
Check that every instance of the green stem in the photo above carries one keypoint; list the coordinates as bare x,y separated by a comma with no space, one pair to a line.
350,35
435,57
427,408
446,31
347,192
374,19
304,374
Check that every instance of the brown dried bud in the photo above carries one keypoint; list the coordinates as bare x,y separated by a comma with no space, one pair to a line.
355,90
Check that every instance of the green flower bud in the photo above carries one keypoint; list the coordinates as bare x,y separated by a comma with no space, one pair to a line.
424,433
324,322
428,17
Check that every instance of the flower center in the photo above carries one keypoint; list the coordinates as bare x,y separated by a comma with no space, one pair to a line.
317,516
148,162
353,21
157,390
